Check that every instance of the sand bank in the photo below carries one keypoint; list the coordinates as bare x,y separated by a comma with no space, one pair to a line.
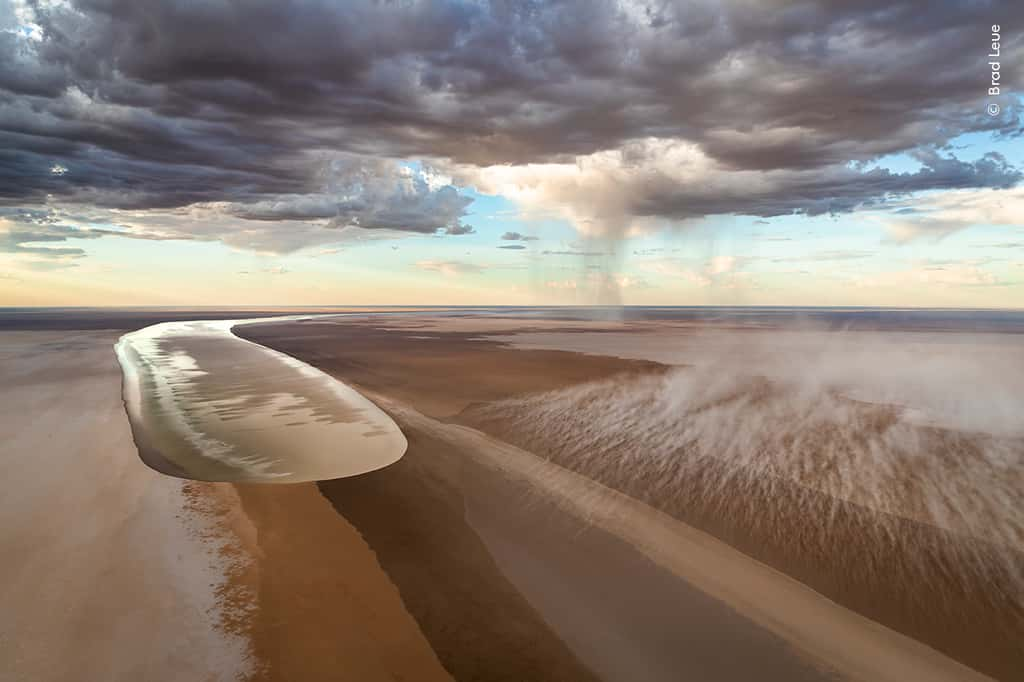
207,405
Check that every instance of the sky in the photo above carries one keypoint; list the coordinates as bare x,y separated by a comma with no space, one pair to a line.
310,152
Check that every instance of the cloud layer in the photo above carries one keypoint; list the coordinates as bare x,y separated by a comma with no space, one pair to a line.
614,112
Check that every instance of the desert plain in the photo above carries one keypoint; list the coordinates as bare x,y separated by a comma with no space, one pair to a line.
630,494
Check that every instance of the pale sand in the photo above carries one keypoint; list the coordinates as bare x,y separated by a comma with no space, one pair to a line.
208,405
112,571
857,648
105,575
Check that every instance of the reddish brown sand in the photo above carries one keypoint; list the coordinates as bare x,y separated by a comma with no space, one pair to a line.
323,608
446,375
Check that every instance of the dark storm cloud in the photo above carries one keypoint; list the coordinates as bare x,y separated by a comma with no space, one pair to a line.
831,190
159,104
372,194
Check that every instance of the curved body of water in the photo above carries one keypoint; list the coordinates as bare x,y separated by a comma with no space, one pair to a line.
208,405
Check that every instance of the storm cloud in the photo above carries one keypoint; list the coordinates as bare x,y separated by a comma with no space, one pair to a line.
336,114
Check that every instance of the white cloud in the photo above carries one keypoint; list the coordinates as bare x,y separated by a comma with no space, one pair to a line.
719,265
596,191
938,215
450,268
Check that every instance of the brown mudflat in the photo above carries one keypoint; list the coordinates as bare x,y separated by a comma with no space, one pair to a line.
441,566
451,375
321,607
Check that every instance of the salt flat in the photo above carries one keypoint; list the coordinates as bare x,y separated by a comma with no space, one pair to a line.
107,574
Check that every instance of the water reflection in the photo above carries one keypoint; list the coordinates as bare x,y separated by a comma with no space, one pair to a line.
207,405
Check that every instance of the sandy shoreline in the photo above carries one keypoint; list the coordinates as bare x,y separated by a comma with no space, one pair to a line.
106,572
113,571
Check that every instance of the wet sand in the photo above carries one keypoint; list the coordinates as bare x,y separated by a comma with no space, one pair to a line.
323,609
207,405
413,368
